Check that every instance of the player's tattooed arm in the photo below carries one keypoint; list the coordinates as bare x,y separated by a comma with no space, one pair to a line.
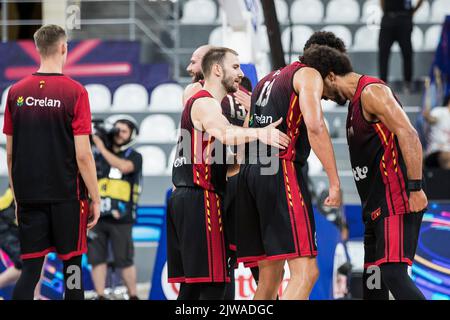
206,115
379,103
309,85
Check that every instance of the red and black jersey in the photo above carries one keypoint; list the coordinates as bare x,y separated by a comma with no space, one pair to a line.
377,163
200,159
43,113
233,110
274,97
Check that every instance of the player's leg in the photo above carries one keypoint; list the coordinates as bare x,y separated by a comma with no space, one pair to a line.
304,274
73,281
397,279
212,291
97,256
385,41
69,236
270,277
402,234
373,288
35,242
31,273
189,291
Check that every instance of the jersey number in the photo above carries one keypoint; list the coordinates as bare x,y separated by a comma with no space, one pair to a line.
239,113
263,98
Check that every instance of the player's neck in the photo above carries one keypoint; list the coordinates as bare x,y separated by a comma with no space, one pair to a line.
216,90
350,82
50,66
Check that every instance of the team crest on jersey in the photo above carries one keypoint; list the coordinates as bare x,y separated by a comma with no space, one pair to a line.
41,84
19,101
374,215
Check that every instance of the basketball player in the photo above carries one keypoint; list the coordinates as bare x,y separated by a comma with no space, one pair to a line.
195,244
195,71
50,165
275,219
386,157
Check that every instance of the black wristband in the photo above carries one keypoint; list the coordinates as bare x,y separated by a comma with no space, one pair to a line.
414,185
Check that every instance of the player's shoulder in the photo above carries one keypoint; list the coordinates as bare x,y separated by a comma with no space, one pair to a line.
21,83
73,83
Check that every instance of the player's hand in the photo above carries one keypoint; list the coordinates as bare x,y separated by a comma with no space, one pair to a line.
98,142
270,135
417,201
243,98
334,199
94,214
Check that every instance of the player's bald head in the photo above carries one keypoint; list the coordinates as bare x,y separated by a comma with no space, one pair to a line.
194,67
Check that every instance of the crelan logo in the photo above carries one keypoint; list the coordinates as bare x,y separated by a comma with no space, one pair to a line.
36,102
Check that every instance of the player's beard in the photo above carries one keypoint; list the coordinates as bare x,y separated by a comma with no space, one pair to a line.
196,77
338,98
228,83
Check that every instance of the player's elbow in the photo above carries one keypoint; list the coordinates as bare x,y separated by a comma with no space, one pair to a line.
83,157
316,127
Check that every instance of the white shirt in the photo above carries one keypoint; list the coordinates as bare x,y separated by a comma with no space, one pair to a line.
439,136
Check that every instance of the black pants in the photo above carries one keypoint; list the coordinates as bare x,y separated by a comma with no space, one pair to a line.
396,28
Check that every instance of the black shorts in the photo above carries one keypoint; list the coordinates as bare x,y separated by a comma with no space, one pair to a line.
196,250
391,239
53,227
9,238
119,235
230,208
275,215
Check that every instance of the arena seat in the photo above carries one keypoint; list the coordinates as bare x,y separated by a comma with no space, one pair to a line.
216,36
2,136
157,128
199,12
342,11
4,97
131,97
154,160
263,39
432,37
366,39
306,11
99,97
3,168
422,15
300,34
342,32
281,8
371,12
167,97
439,9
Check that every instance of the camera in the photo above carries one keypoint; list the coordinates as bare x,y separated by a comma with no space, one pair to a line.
105,131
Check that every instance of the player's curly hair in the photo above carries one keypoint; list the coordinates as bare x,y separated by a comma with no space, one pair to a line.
326,60
325,38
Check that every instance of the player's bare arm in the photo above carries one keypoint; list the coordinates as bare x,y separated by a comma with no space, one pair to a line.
124,166
86,165
207,116
380,104
309,85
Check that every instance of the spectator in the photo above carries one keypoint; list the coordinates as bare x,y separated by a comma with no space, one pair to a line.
437,154
397,25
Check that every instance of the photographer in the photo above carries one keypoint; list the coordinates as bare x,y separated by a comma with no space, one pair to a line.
119,169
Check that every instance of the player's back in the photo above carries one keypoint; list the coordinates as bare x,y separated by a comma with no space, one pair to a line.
44,112
274,97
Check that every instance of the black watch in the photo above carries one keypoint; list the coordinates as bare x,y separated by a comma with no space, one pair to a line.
414,185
